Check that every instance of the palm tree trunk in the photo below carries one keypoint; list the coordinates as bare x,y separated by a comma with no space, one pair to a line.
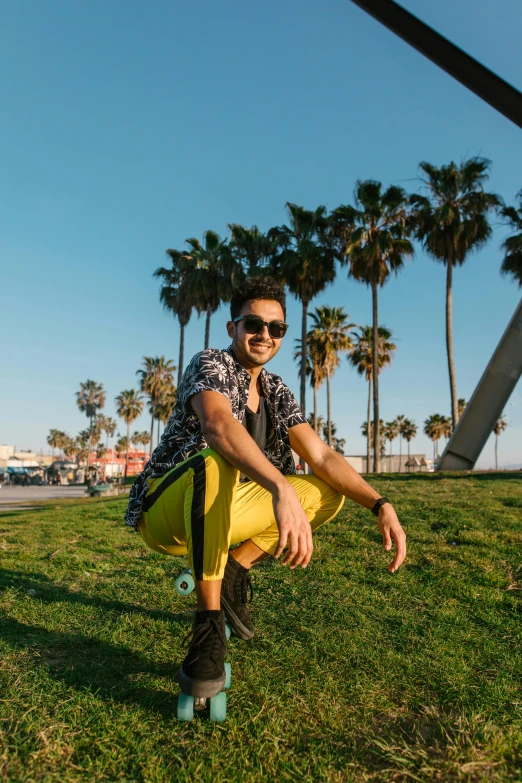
328,401
368,425
151,433
315,408
89,449
207,328
127,450
496,452
181,348
375,358
449,344
400,453
304,355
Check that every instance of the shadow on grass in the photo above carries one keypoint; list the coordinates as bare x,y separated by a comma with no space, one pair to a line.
82,662
48,592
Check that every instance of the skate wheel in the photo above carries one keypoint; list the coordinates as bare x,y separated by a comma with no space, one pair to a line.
185,583
185,707
228,676
228,631
218,707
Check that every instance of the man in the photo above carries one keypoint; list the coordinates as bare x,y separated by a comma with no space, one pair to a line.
223,474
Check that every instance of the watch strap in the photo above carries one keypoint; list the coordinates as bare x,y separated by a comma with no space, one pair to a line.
380,502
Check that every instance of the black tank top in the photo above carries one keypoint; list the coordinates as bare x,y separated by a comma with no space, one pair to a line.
256,424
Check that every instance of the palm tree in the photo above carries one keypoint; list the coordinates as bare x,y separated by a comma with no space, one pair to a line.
391,431
144,438
374,242
51,440
498,429
136,439
337,443
70,448
214,273
316,422
461,404
512,263
433,428
305,262
451,222
121,445
156,378
90,399
361,357
129,407
82,446
252,249
164,406
367,432
399,423
409,430
61,439
101,454
445,427
329,332
314,369
109,427
176,294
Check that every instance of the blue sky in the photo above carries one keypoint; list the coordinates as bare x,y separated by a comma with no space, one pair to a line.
130,126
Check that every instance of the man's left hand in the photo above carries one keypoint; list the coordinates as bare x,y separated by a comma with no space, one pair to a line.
391,530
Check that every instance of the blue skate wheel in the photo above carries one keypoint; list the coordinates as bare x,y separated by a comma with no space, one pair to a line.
228,631
185,583
228,676
218,707
186,707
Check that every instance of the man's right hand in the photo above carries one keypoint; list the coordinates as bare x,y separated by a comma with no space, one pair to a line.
294,528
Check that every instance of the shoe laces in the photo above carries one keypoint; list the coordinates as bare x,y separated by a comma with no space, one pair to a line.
210,632
243,588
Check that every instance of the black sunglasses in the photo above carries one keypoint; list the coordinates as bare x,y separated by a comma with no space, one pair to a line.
254,325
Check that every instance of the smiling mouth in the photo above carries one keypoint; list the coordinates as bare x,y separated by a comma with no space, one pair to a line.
261,346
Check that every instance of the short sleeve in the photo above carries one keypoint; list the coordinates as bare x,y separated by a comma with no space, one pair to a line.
206,372
292,411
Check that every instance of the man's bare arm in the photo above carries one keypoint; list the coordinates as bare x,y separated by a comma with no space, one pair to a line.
229,438
339,474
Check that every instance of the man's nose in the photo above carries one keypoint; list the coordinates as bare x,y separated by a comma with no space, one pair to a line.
264,333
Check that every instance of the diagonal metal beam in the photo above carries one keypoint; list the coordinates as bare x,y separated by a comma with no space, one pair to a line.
487,403
479,79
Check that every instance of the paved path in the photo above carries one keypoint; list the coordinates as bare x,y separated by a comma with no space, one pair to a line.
15,495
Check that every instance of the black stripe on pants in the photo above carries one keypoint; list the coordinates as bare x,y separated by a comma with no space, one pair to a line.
197,511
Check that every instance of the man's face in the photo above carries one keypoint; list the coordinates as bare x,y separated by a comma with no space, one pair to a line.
254,350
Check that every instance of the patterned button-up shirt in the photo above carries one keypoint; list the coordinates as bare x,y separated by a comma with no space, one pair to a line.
220,371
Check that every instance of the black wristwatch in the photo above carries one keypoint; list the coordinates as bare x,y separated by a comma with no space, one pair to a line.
380,502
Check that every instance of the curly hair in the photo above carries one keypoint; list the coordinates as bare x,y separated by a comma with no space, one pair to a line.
256,288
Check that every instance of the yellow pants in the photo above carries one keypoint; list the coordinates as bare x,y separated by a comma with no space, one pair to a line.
200,507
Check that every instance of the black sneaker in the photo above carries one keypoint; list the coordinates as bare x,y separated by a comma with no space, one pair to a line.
202,673
236,590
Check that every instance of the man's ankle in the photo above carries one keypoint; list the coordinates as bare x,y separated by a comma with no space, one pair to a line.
208,594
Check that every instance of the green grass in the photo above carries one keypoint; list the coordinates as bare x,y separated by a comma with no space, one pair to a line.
354,674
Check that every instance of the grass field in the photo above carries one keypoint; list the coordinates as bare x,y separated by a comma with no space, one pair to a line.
353,675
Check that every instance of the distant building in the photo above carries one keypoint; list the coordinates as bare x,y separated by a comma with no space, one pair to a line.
6,452
113,465
393,464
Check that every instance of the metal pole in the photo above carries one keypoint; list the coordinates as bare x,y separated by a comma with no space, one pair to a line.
479,79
